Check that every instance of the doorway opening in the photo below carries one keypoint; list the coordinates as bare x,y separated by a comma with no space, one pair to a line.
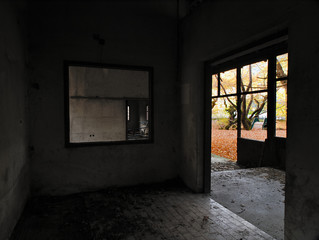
249,111
248,130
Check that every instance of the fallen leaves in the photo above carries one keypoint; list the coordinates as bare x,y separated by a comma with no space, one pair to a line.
224,142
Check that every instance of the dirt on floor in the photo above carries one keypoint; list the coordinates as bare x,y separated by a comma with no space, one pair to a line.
256,194
224,166
111,214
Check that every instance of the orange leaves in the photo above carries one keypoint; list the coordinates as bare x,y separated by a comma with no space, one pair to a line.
224,142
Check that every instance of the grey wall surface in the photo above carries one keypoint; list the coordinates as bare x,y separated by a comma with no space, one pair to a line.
220,26
104,82
302,187
94,120
141,33
14,180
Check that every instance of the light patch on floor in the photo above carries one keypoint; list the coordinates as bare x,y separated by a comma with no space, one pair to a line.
255,194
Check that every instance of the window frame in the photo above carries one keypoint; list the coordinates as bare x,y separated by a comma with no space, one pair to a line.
219,65
67,64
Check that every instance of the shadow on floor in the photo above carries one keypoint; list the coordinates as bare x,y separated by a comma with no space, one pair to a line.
156,212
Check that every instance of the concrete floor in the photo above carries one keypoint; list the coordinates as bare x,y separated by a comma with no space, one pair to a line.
155,212
222,164
257,195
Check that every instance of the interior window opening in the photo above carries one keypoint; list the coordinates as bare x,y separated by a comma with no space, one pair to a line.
137,126
106,103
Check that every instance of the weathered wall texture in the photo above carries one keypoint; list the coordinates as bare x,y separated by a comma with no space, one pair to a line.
302,194
14,182
93,120
219,26
140,33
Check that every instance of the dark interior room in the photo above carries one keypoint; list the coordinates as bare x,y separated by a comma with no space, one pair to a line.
109,111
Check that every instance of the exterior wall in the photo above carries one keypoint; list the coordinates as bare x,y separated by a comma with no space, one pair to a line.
139,33
14,180
220,26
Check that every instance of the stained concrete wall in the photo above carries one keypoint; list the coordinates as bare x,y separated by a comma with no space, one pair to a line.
220,26
14,181
302,187
112,83
94,120
141,33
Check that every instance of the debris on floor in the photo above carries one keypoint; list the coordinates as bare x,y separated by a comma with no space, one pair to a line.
155,212
222,164
255,194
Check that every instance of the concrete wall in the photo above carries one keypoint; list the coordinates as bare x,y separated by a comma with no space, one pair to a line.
94,120
220,26
141,33
302,194
113,83
14,181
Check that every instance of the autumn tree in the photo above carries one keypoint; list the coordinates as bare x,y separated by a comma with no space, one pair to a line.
254,77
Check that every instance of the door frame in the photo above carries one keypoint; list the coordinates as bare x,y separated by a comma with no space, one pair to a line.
268,48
